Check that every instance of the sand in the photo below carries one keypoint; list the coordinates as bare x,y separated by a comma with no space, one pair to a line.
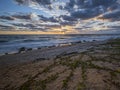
82,66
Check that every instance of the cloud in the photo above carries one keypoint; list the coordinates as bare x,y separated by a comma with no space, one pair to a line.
76,8
6,27
22,16
24,25
88,3
45,2
30,26
67,5
30,21
101,2
3,26
7,17
80,14
111,15
92,8
84,13
20,1
67,18
67,23
52,7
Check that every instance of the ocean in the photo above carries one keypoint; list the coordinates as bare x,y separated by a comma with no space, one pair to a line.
11,43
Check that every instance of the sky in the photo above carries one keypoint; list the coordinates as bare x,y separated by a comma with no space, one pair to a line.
59,16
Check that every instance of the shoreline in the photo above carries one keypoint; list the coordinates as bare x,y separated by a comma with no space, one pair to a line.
45,47
46,52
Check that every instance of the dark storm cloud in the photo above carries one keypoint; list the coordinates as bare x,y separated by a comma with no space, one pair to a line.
103,2
24,25
67,18
30,26
6,17
19,1
115,27
33,26
114,6
44,2
76,8
52,26
52,19
86,13
16,16
67,23
28,16
43,18
90,8
111,15
89,3
3,26
6,27
46,19
78,28
61,7
95,3
41,27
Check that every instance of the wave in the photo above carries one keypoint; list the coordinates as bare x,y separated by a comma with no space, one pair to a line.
35,40
2,41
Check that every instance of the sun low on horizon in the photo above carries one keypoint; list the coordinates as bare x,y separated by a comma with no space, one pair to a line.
59,16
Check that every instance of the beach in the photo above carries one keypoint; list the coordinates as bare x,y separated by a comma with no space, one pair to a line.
59,44
91,65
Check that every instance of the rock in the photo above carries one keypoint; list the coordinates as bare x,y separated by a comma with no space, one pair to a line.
29,49
21,49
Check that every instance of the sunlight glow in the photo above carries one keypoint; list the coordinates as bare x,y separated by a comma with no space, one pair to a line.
30,32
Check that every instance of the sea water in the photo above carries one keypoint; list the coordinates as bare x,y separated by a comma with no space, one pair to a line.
11,43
